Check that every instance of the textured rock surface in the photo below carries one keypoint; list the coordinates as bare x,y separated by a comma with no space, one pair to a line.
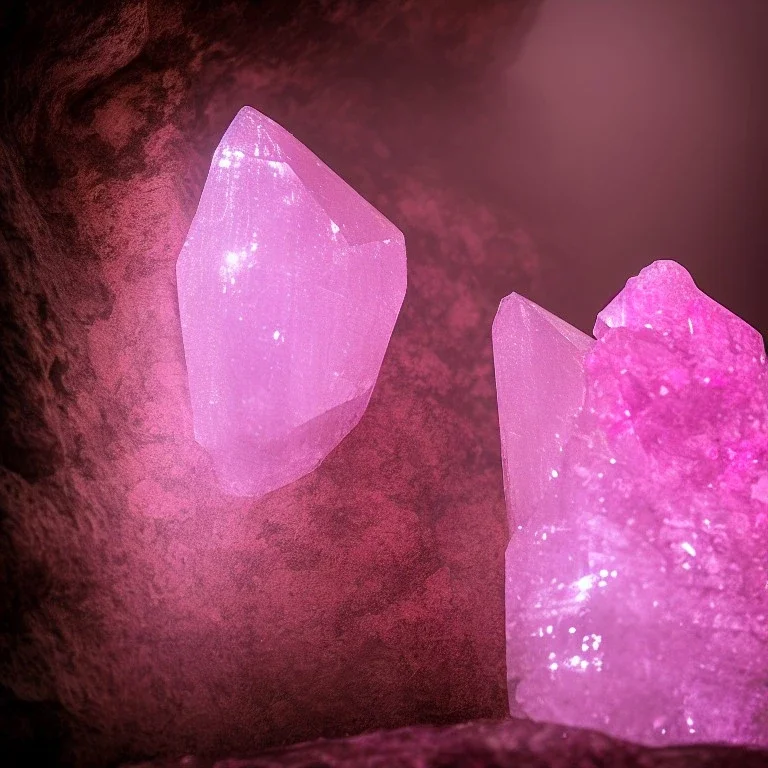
637,573
505,744
144,612
289,286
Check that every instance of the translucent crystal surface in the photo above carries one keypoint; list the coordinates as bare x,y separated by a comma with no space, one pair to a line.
636,475
289,287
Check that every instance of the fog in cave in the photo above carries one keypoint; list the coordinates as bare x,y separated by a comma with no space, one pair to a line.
551,148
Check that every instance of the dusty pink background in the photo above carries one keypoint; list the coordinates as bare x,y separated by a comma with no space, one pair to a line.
142,611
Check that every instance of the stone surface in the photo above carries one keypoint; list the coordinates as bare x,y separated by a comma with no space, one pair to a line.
636,573
144,612
479,744
289,285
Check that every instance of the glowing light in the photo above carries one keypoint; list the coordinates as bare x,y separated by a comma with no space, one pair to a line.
684,519
282,349
688,548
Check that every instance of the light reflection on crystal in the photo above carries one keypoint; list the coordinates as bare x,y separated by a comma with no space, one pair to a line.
289,287
657,523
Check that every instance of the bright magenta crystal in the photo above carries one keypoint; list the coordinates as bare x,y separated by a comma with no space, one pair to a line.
289,287
636,474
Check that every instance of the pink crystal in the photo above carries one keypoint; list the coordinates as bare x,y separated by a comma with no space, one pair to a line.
289,287
636,476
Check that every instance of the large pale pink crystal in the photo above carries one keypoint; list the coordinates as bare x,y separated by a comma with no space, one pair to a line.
636,475
289,287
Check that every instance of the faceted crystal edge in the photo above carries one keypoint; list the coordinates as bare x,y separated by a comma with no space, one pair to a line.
306,161
517,370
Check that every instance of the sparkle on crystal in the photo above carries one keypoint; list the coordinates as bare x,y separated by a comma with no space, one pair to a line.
289,287
642,611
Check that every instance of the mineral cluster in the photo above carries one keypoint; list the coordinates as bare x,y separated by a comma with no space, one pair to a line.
636,475
289,287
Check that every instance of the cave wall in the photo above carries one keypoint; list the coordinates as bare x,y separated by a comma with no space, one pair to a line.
145,612
142,612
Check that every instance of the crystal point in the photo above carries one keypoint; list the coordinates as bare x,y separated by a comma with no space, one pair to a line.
289,287
538,394
636,477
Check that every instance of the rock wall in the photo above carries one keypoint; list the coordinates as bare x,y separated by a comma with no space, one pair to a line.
145,613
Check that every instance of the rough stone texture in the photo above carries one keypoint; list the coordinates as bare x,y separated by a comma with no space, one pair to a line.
289,285
506,744
636,467
143,613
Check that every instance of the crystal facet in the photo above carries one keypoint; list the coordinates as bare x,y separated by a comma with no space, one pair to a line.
289,287
636,476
